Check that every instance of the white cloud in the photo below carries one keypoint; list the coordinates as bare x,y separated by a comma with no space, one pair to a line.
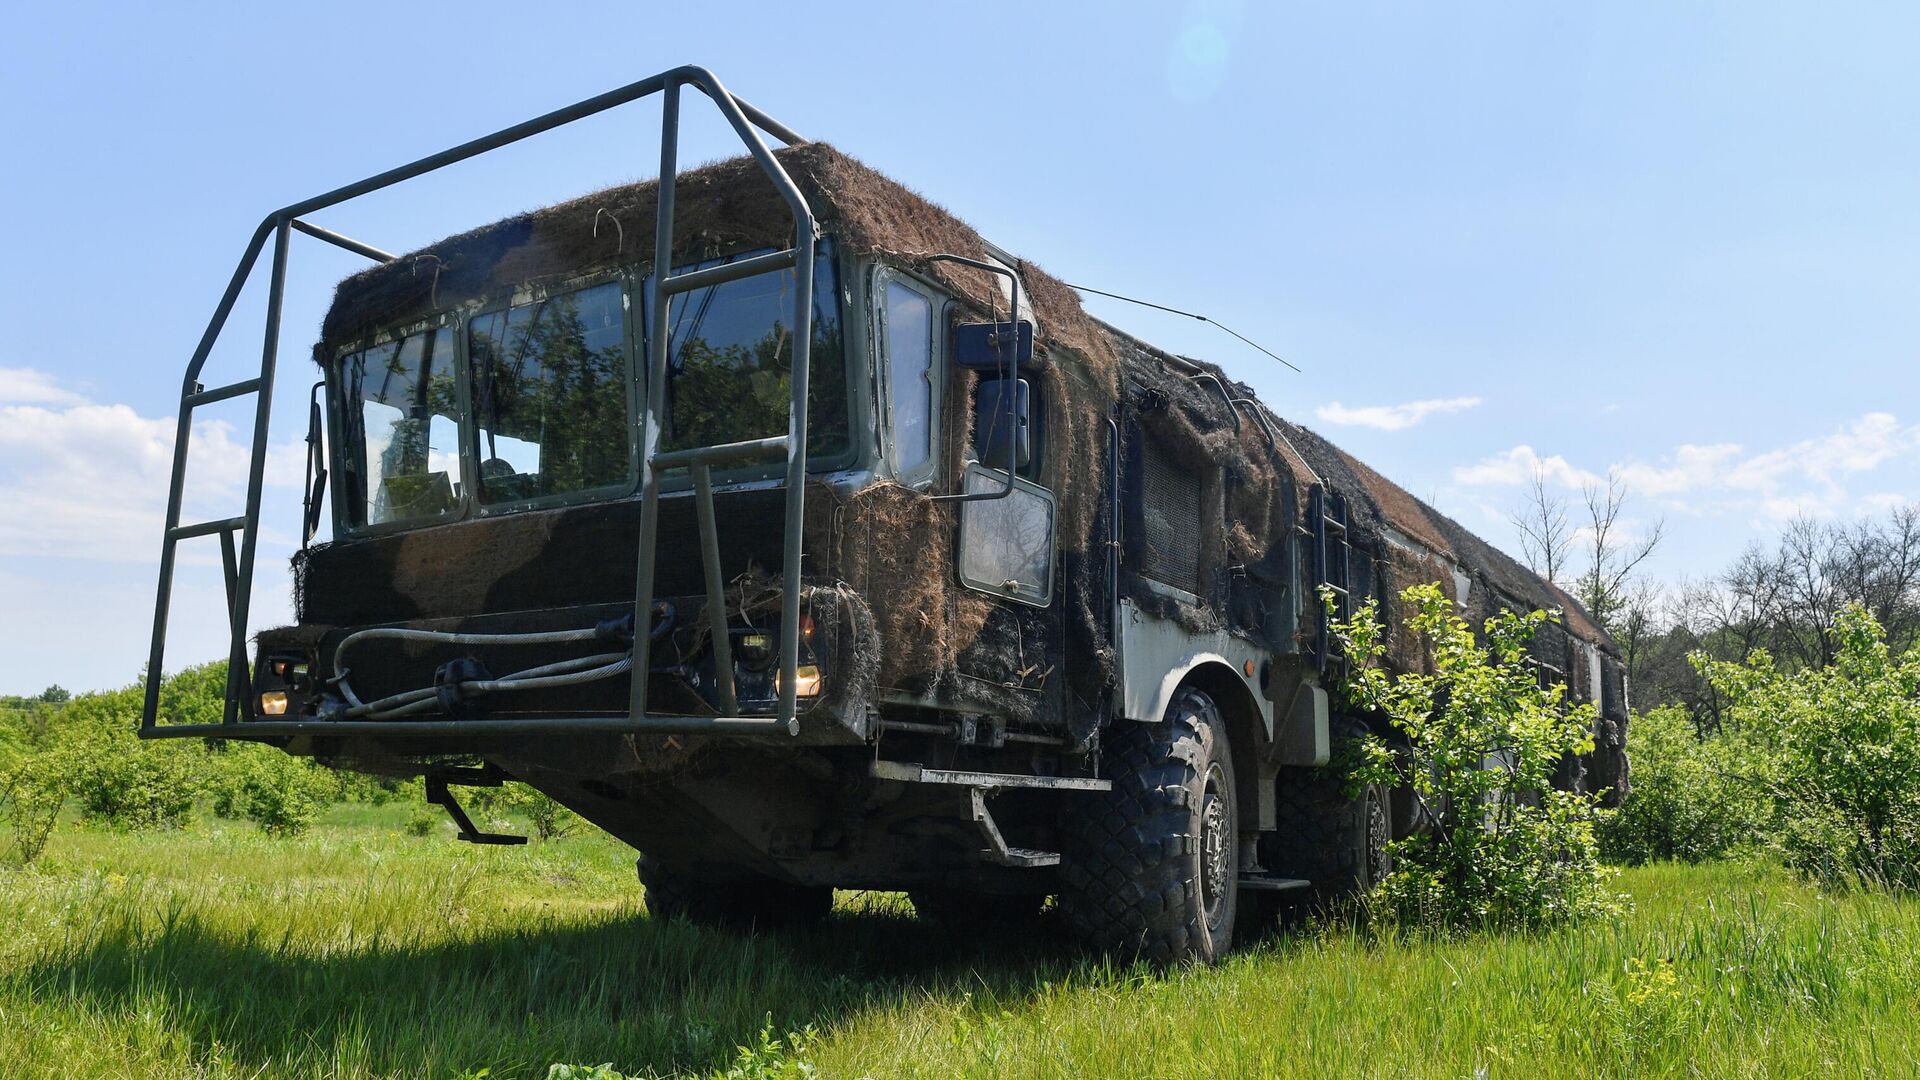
25,386
1391,417
89,481
1519,466
1806,478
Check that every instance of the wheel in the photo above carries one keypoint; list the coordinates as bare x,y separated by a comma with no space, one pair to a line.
1152,867
745,901
963,911
1337,842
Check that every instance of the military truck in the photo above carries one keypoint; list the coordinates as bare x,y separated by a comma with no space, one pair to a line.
773,520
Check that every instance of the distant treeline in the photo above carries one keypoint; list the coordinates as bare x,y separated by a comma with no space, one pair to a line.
1786,598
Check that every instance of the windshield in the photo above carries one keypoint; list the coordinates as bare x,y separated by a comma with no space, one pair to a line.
552,386
550,395
402,404
730,354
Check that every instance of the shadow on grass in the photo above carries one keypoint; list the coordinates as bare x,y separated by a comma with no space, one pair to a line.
623,988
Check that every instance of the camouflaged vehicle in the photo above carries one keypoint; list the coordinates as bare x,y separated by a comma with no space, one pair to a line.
776,522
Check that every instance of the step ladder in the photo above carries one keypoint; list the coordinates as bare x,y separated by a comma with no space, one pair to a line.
1327,524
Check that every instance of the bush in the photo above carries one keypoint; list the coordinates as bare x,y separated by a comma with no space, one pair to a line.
1694,798
280,793
422,820
32,795
116,778
1841,753
549,819
1482,741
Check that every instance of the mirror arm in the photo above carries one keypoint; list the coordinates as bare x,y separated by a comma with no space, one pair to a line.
1011,360
315,493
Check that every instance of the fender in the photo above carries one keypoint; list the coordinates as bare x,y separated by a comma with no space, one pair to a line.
1157,655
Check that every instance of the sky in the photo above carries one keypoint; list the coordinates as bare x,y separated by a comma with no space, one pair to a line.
1680,241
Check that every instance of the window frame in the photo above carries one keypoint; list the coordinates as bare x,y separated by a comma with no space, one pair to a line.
939,313
337,446
636,282
633,337
772,471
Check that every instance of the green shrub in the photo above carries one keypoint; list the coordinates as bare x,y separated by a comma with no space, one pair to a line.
1841,748
422,820
32,794
1692,799
1482,741
549,819
280,793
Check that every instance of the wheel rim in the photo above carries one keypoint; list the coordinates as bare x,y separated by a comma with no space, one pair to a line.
1379,833
1216,844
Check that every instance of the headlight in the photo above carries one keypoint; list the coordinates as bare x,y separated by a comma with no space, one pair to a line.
273,703
806,681
754,651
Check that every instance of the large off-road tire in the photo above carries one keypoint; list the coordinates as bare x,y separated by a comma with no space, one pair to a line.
1335,841
966,912
745,902
1151,868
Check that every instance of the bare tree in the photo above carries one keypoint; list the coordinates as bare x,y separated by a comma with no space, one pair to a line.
1606,588
1545,535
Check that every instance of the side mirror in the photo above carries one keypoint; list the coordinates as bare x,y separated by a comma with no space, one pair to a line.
989,346
1002,429
316,493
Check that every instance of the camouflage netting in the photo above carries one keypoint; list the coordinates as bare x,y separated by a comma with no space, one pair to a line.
894,546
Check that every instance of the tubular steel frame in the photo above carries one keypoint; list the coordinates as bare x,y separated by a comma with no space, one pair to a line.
747,123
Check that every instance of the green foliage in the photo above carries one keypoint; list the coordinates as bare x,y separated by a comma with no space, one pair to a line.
1482,742
549,819
196,695
280,793
604,1071
1693,798
31,795
1841,752
772,1058
117,779
422,819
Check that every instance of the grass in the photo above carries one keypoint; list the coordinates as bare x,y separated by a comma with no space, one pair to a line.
359,951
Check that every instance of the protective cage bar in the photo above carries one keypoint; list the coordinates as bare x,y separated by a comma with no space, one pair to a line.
747,123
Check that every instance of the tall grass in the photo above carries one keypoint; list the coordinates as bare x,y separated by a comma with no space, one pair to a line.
359,951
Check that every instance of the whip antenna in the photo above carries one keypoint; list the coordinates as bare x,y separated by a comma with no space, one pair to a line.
1190,315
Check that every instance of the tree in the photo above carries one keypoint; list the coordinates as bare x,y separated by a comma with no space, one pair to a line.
54,695
1545,535
1841,750
1607,588
1479,742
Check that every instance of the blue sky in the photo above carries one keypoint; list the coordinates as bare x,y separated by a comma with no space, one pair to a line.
1678,239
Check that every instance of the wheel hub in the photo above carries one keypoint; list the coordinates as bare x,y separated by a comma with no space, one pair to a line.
1216,839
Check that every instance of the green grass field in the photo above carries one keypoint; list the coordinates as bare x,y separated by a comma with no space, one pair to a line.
361,951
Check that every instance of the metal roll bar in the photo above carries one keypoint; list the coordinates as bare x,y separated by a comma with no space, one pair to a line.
747,122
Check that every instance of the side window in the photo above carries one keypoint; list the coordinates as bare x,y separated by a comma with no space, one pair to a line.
907,319
550,396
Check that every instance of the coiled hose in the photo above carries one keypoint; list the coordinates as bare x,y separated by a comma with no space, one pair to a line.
573,672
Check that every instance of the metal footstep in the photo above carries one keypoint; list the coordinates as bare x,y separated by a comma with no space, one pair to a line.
1263,883
979,785
908,772
439,795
